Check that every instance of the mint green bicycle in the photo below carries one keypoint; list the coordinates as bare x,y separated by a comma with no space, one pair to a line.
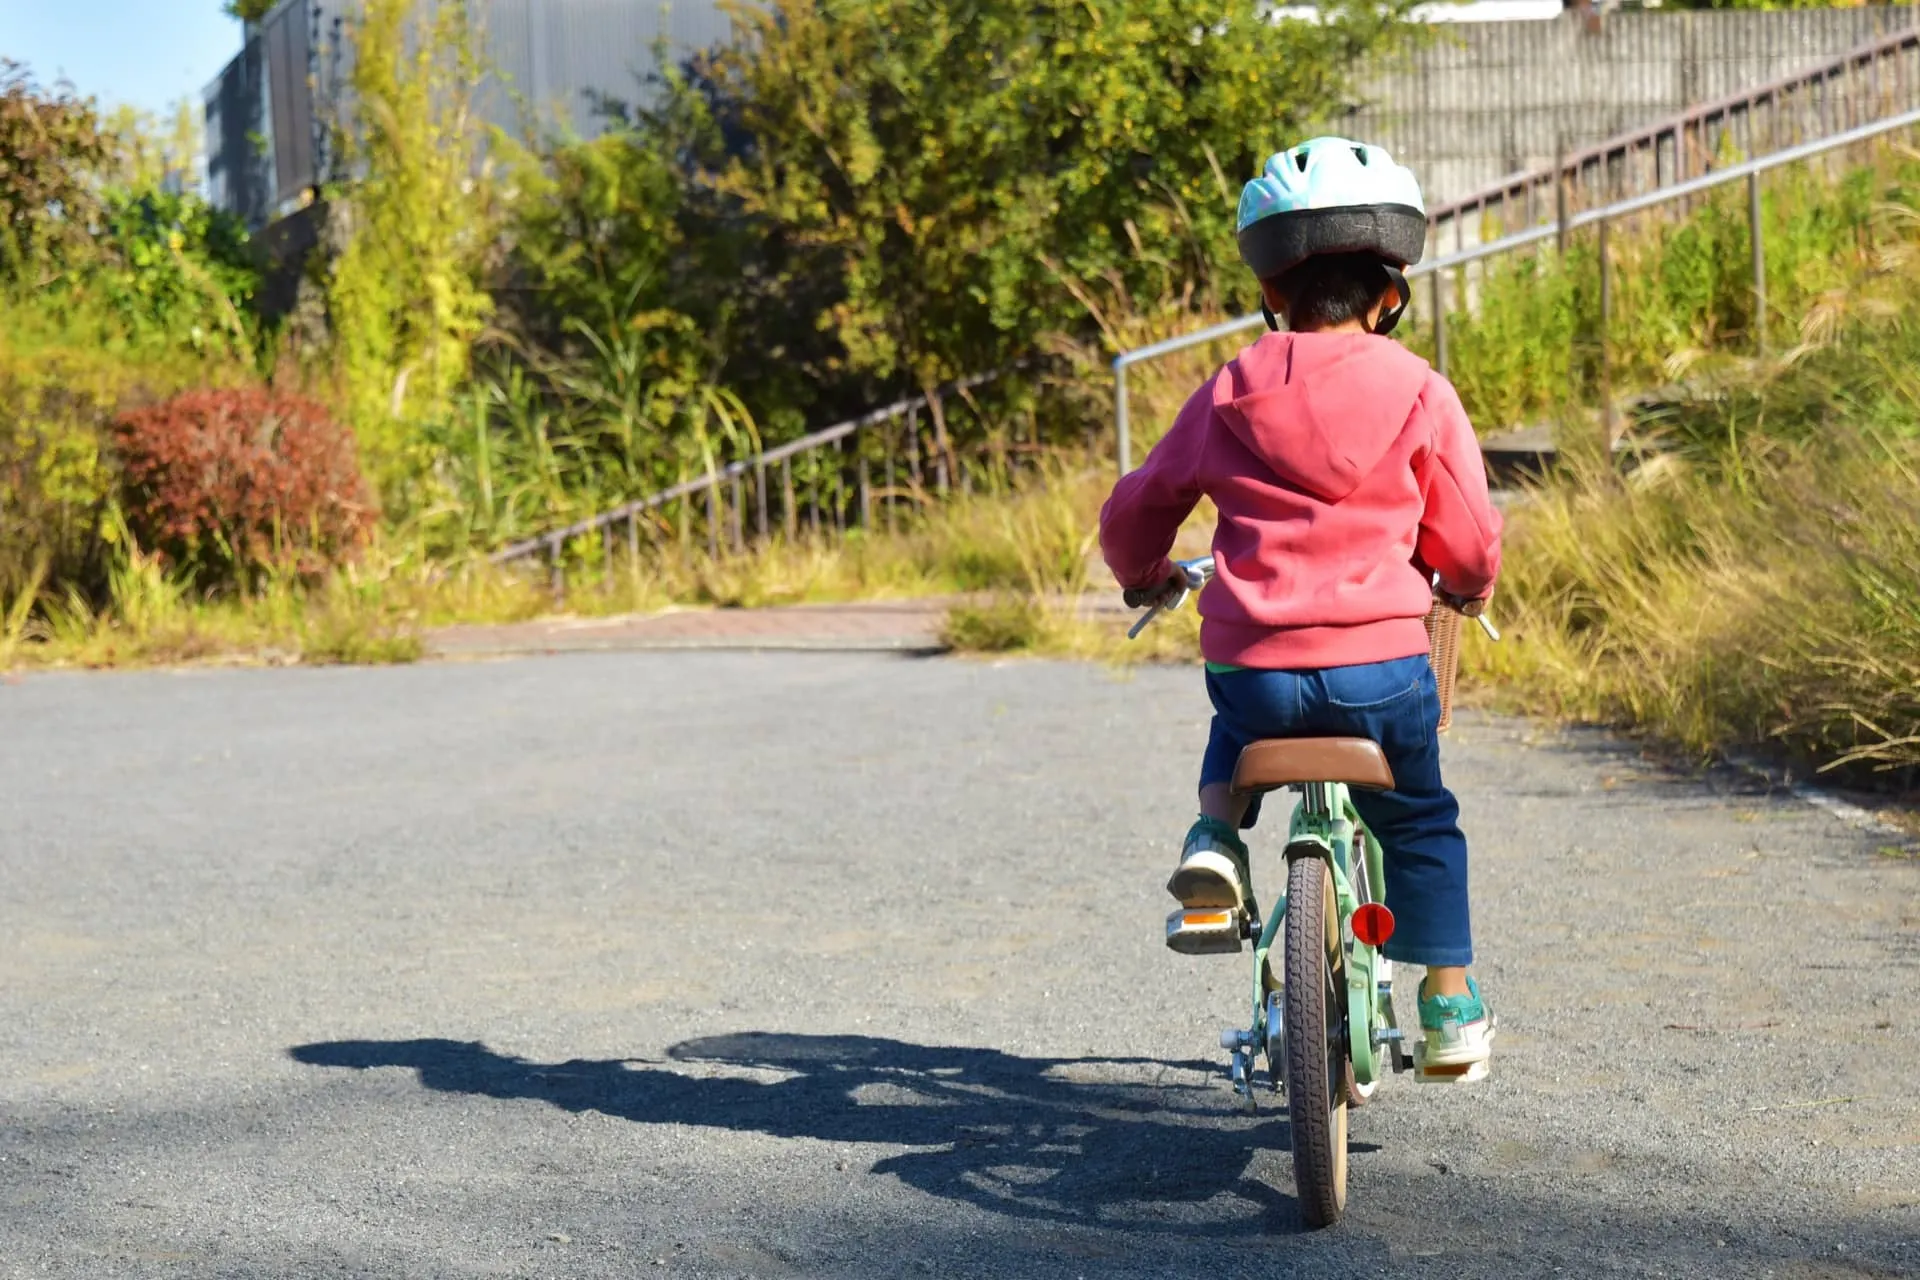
1323,1015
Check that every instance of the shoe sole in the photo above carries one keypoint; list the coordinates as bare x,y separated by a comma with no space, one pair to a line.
1206,880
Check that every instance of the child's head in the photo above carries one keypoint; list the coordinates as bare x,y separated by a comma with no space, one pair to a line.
1328,227
1333,291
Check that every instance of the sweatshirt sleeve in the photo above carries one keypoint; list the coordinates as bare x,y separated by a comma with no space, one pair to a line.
1460,529
1142,517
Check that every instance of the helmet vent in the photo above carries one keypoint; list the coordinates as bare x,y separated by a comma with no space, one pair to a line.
1360,154
1300,158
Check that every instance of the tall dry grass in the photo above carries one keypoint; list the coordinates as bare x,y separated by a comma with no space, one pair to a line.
1756,585
1765,596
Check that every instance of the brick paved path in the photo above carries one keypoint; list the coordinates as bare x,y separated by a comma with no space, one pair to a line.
906,625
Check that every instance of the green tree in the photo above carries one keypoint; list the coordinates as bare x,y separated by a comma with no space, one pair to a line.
405,299
249,10
53,152
179,269
86,218
151,153
598,265
946,181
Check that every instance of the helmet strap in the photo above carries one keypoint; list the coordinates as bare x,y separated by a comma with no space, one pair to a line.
1273,321
1391,316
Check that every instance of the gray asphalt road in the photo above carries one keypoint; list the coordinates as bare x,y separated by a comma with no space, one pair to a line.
814,965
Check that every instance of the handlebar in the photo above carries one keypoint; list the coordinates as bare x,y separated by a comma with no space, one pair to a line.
1199,571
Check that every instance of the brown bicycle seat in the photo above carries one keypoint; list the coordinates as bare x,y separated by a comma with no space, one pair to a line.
1284,762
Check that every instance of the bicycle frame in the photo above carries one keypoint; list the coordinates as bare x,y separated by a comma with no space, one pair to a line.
1324,826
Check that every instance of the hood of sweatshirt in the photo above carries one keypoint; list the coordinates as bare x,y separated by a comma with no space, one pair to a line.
1322,409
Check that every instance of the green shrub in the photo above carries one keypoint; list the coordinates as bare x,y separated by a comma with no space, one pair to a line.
846,202
178,270
937,186
1002,624
56,479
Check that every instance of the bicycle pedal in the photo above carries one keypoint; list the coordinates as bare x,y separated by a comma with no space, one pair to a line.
1205,931
1446,1073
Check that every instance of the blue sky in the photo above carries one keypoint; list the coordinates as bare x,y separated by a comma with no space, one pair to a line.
147,53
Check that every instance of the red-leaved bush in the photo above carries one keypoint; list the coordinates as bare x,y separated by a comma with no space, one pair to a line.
228,482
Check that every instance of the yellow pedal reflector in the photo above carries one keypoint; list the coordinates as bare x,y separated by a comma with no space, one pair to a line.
1205,919
1445,1072
1205,931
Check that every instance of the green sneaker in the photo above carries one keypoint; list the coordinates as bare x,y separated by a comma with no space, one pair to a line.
1213,886
1459,1031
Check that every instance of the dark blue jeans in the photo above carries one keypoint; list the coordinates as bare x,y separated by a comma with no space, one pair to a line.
1417,823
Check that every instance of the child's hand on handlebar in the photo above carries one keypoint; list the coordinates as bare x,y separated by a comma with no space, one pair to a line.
1184,577
1462,605
1166,591
1475,608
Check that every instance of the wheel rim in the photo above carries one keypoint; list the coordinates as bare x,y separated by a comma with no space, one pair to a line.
1357,1094
1339,1069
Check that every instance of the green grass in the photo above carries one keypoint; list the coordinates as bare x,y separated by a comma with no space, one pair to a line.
155,619
1529,350
1755,587
1032,540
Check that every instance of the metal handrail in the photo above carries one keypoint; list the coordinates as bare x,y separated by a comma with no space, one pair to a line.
1868,53
1748,170
553,542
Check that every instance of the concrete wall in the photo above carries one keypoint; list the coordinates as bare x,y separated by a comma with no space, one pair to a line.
1486,100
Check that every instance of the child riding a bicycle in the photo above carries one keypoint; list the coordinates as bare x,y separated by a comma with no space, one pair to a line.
1347,481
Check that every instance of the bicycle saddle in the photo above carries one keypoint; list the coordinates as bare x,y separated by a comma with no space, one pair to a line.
1273,763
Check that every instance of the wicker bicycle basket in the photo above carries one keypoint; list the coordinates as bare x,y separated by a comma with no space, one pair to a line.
1443,648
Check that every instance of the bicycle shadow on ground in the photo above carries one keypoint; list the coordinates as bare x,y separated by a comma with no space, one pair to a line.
1117,1142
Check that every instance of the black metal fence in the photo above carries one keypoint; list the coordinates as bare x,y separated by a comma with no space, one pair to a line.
865,473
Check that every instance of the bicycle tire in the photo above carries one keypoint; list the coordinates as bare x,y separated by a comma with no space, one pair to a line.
1316,1093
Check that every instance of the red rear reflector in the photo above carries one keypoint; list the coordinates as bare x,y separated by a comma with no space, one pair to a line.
1373,924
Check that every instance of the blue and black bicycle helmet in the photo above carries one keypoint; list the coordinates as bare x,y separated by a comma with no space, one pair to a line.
1333,195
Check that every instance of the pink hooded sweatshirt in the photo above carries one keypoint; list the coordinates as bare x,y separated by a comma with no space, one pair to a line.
1344,470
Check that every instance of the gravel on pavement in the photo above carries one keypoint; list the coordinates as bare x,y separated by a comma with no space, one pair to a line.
776,964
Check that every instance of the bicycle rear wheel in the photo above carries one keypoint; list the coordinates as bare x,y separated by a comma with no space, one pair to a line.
1316,1041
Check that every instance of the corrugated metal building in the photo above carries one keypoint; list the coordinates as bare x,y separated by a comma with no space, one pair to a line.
1474,104
267,113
